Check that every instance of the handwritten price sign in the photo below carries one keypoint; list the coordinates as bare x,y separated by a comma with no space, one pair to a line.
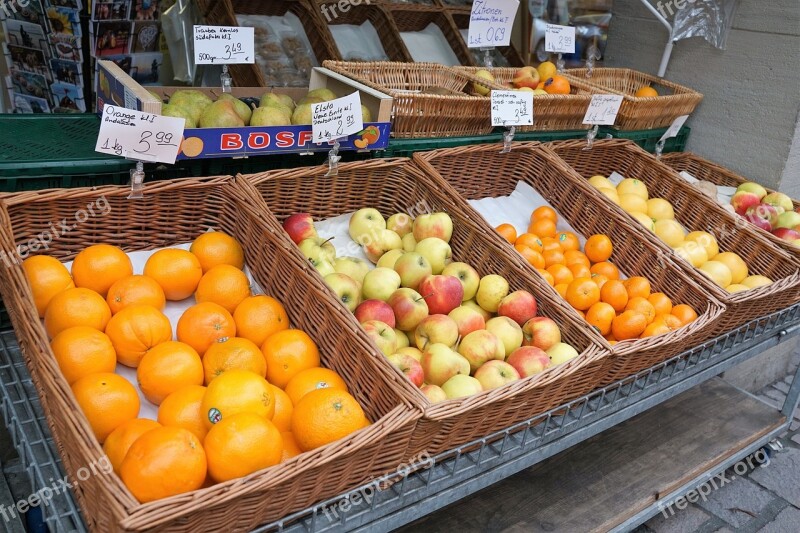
491,22
603,110
559,39
223,45
138,135
512,108
337,118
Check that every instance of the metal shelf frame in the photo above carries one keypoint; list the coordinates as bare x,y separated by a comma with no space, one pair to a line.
439,481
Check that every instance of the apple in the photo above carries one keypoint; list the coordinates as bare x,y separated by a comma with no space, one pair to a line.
743,200
491,290
410,350
438,225
409,308
346,289
526,77
541,332
788,219
764,216
441,363
786,234
413,268
400,223
380,283
402,338
380,242
494,374
561,353
754,188
365,222
389,259
779,199
408,366
443,293
374,310
435,329
409,242
481,346
529,360
382,335
434,393
519,306
468,276
461,386
325,268
508,331
472,304
485,75
436,251
352,266
467,319
300,227
317,248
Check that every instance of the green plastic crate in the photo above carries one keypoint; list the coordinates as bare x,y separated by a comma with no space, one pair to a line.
648,139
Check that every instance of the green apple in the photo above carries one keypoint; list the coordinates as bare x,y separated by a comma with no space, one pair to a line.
416,353
788,219
400,223
346,289
380,242
317,248
380,283
352,266
495,374
485,75
412,268
491,290
438,225
461,386
366,221
754,188
468,276
402,340
508,331
436,251
389,259
382,335
440,363
325,268
472,304
778,199
561,352
409,242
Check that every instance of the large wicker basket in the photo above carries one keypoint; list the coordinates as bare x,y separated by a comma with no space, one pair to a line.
477,172
172,213
706,170
696,212
641,113
394,186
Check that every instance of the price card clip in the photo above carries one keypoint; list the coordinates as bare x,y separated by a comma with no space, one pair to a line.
660,148
333,159
226,79
590,137
137,181
592,55
508,138
560,62
488,62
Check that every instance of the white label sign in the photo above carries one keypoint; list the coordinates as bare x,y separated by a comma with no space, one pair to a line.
223,45
559,39
675,128
512,108
491,23
603,109
139,135
337,118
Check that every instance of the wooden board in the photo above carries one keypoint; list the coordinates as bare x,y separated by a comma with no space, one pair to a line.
600,483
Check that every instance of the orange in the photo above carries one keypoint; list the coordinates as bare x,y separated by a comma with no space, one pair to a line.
181,409
613,292
136,329
568,241
671,321
600,316
290,447
553,257
312,379
98,267
557,85
544,211
283,409
654,329
548,277
583,293
599,279
164,462
575,257
121,439
534,258
233,352
684,313
606,268
135,290
531,241
203,324
581,314
166,368
637,286
76,307
598,248
258,317
107,400
543,227
224,285
237,391
81,351
580,271
661,303
561,274
550,244
646,92
628,325
324,416
47,277
217,248
177,271
643,306
288,353
561,289
240,445
508,232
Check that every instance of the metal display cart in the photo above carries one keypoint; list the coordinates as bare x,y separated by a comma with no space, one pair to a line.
420,490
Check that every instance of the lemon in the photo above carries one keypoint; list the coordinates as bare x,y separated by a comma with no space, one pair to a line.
633,186
660,209
600,182
611,194
546,70
718,272
756,281
706,240
670,232
644,220
735,287
735,264
632,203
693,253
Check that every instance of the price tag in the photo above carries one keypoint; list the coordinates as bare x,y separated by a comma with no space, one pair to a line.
223,45
512,108
559,39
603,109
337,118
491,22
139,135
675,128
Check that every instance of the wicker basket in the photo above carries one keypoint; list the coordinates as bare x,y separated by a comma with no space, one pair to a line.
510,54
641,113
417,18
706,170
477,172
699,213
418,115
177,212
393,186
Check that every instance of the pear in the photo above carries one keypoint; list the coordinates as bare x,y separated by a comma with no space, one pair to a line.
366,116
274,100
302,114
220,114
192,101
154,95
287,101
310,100
174,110
325,94
271,116
242,109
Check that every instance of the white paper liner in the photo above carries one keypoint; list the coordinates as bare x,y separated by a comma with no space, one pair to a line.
430,45
358,42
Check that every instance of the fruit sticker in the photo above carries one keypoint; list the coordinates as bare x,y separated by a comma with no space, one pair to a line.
214,415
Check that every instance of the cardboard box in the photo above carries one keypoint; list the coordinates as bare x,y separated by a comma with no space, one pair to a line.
115,87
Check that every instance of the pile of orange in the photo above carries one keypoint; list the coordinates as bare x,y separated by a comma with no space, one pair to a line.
618,309
237,390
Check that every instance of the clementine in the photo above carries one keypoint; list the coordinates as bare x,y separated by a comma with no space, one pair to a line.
531,241
613,292
534,258
237,391
606,268
544,211
661,303
107,400
81,351
283,409
628,325
684,313
177,271
99,266
76,307
203,324
217,248
135,290
543,227
136,329
560,274
232,352
166,368
598,248
637,286
224,285
240,445
287,353
312,379
568,241
258,317
583,293
643,306
181,409
575,257
121,439
324,416
508,232
600,316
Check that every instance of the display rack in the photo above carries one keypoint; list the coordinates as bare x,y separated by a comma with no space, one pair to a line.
457,473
